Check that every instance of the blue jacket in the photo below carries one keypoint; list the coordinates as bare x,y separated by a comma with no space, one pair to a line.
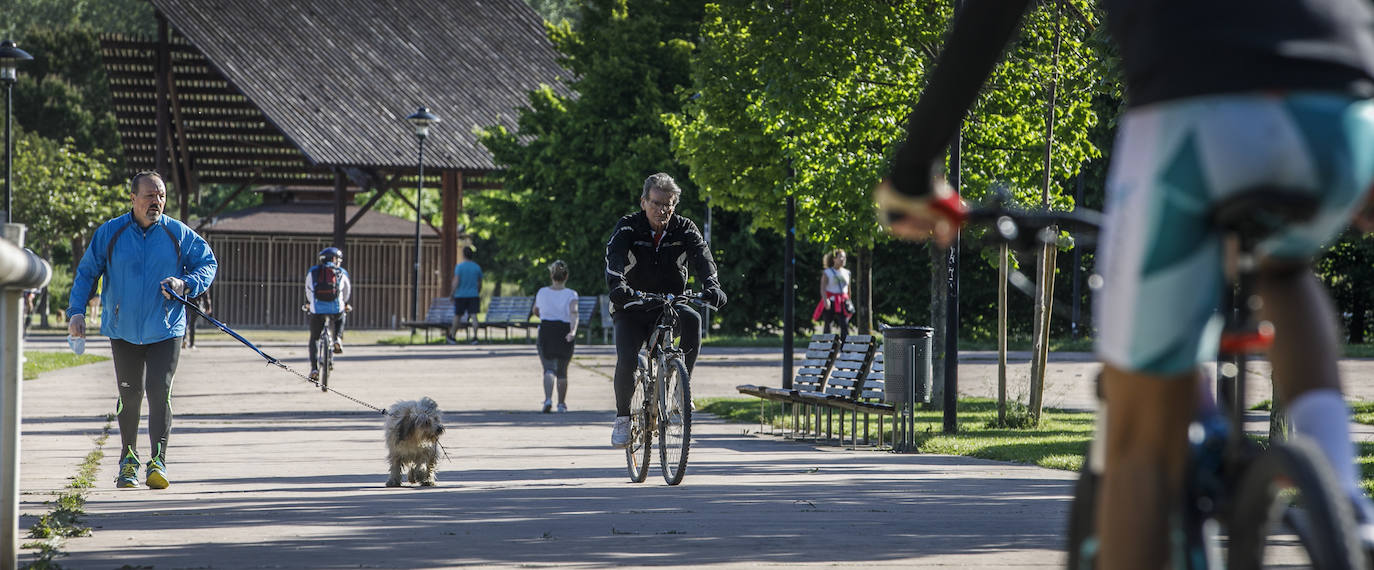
134,262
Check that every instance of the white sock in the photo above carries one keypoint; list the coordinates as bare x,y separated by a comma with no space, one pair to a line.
1323,417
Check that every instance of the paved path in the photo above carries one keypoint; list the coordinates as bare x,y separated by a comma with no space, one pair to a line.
268,472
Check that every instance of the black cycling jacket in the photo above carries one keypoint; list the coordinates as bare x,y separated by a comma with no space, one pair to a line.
635,263
1170,49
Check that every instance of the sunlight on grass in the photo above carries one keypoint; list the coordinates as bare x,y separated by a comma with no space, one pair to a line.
1058,443
36,363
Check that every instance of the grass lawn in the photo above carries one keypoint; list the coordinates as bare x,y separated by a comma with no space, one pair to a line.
36,363
1058,442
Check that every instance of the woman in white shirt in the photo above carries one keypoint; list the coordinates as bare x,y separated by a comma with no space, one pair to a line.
835,305
556,307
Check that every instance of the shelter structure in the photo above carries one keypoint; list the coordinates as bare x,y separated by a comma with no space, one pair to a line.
314,94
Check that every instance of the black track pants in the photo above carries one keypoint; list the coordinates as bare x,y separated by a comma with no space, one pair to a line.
141,368
632,328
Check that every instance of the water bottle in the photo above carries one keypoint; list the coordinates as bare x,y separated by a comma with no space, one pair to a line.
77,344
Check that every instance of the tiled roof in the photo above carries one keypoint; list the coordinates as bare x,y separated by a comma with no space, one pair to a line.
312,219
337,78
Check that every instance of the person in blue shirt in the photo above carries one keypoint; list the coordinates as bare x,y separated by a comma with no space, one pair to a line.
467,295
327,289
138,254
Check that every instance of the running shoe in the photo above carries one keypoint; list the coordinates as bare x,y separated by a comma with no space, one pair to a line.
128,472
620,432
157,474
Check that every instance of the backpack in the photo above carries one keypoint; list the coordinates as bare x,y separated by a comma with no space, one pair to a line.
326,283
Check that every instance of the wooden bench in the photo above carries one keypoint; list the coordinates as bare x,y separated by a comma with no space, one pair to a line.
607,323
815,367
588,307
507,312
844,385
438,316
870,397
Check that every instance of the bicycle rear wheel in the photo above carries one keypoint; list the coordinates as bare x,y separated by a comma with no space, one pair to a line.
641,430
1083,519
324,353
1289,497
674,420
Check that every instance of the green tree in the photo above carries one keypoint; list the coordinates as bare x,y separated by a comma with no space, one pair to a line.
129,17
1347,268
580,154
61,193
805,98
63,93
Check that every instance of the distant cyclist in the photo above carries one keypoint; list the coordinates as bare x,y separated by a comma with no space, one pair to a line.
650,251
327,288
1223,96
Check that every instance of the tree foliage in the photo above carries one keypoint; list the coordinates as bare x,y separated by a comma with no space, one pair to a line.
60,192
805,98
580,154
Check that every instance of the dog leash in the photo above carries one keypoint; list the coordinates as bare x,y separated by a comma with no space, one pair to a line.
269,358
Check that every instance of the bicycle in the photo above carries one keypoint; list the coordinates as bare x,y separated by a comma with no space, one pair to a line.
1231,483
324,349
662,400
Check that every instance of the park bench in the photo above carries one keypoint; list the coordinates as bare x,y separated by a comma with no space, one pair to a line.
508,312
816,365
607,323
843,387
588,307
870,396
438,316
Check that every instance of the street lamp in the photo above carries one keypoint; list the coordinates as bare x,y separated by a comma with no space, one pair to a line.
422,119
10,58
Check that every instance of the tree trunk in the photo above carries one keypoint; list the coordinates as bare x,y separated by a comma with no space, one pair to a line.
1040,351
1357,319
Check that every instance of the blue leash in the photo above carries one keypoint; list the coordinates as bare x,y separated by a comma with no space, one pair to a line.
270,360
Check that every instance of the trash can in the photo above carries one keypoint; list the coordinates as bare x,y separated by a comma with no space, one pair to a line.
906,364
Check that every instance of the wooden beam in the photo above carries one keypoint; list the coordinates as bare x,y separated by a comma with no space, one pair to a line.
224,204
450,204
162,158
340,207
411,204
183,169
381,191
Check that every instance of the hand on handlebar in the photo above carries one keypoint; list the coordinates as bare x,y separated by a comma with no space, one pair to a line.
937,215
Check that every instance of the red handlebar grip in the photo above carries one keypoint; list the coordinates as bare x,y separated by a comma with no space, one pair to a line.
952,207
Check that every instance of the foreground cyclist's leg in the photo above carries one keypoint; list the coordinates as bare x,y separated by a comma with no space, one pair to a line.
631,330
1304,366
1147,431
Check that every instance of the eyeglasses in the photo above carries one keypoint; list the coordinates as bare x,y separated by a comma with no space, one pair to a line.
660,205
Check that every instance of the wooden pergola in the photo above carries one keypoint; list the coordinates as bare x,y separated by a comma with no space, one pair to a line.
315,93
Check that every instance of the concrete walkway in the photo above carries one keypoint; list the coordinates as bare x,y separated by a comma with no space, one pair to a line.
268,472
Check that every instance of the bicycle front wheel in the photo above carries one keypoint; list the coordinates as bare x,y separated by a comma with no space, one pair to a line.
641,430
1289,508
324,353
674,420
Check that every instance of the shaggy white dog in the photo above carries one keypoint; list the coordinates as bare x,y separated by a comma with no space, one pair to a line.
412,441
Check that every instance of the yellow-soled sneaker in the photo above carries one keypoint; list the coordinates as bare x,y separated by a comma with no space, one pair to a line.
157,474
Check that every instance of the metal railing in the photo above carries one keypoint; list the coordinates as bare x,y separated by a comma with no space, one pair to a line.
20,269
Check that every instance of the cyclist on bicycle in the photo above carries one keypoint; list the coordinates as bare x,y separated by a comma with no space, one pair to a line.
1223,96
327,288
650,251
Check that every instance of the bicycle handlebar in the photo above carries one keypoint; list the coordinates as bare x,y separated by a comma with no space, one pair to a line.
690,296
1010,224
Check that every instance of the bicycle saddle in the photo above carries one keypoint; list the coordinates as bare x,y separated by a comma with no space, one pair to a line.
1261,211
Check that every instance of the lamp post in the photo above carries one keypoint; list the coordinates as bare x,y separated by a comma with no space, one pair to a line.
10,58
422,119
